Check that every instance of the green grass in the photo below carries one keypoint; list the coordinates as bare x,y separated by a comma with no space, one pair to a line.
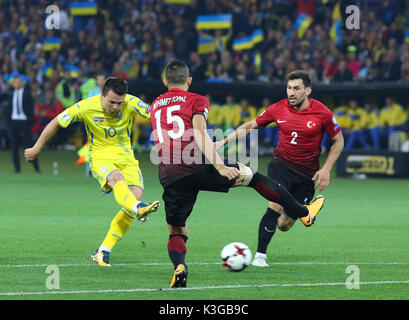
60,220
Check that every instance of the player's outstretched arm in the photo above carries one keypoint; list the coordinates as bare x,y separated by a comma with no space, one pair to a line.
49,131
322,176
207,147
241,132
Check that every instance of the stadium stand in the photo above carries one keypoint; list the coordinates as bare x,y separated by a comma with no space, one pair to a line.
224,42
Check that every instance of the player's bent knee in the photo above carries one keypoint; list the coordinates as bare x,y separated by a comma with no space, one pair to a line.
114,177
285,223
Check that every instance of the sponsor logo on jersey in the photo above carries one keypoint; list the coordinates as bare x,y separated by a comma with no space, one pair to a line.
98,120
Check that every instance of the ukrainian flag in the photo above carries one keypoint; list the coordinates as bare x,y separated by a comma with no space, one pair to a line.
214,21
206,45
335,32
302,23
249,42
245,43
73,70
83,8
407,36
47,70
51,44
178,1
257,36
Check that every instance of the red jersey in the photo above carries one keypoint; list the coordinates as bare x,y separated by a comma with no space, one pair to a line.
171,120
300,133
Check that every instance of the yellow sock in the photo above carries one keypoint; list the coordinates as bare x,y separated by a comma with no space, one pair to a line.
119,227
124,196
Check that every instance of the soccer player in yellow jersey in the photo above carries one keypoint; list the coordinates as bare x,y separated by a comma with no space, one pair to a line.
108,121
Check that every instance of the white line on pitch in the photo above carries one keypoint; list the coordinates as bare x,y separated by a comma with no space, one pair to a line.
203,288
196,263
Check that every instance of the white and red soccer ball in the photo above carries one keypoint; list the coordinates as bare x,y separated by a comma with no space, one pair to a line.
236,256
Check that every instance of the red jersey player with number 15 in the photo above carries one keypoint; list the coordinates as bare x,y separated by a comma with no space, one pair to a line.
189,163
301,122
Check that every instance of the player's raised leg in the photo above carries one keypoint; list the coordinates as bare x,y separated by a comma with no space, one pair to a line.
274,192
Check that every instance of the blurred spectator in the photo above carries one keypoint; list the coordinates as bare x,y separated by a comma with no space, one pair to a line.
391,66
247,112
357,129
392,117
99,81
45,111
343,73
65,91
373,125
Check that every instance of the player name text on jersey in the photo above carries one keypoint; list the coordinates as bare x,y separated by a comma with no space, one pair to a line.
166,101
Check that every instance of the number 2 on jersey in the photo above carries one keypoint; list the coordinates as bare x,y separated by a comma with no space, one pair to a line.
170,119
294,135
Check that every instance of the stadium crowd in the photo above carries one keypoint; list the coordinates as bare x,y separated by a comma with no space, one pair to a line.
134,39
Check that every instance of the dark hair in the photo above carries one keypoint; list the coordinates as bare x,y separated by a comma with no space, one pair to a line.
300,74
176,72
117,85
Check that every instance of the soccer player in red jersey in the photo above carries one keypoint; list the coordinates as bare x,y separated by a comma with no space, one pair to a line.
302,122
189,163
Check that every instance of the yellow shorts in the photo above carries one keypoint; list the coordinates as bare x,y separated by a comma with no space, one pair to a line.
129,166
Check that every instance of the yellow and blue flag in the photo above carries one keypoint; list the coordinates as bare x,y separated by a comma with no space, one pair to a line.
214,21
206,45
83,8
302,24
247,43
407,36
335,31
257,36
52,43
73,70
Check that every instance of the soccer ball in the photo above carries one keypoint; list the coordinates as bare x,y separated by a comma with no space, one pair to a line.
236,256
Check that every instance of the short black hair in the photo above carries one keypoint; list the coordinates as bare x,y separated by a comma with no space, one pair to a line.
176,72
300,74
117,85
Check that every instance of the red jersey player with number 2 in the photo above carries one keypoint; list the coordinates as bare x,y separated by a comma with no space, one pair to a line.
301,122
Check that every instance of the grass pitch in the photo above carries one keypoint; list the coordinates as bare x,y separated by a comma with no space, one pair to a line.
59,220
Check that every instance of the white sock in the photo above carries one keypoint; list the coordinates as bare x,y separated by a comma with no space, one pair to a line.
135,207
103,248
260,256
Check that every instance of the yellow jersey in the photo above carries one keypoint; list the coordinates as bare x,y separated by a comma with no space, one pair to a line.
108,134
393,115
342,116
358,118
373,119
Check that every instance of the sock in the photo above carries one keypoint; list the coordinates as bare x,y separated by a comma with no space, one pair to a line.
266,229
177,249
273,192
119,227
124,196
